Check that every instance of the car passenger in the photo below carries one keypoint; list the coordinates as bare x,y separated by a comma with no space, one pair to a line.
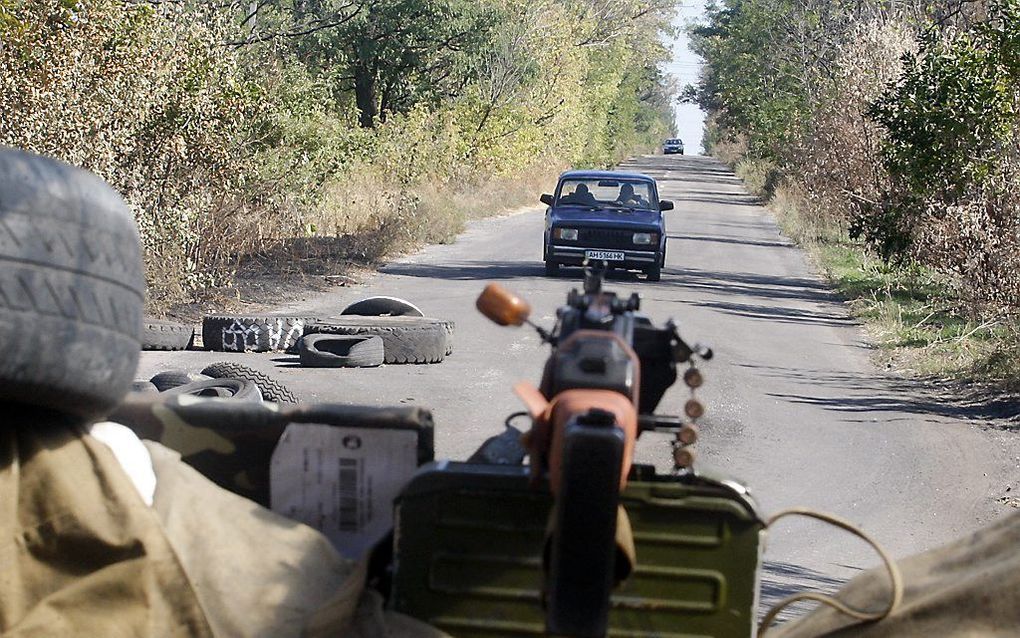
581,196
628,197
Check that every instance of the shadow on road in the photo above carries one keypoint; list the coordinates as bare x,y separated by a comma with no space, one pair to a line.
684,169
720,239
719,197
722,201
763,286
696,178
888,393
468,270
738,194
494,271
992,408
741,226
776,314
780,580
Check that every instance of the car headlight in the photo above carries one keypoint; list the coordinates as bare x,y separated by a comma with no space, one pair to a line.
566,234
645,238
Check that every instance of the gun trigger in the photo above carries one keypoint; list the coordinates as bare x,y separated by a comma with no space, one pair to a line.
536,404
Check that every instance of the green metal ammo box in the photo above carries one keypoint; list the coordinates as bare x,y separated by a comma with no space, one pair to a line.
468,554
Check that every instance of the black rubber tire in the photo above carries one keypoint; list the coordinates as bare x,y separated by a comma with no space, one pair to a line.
340,351
239,389
383,307
654,273
166,335
146,387
267,333
449,327
71,288
271,389
552,269
171,379
405,339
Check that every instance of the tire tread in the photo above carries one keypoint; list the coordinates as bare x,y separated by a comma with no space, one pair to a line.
405,339
272,390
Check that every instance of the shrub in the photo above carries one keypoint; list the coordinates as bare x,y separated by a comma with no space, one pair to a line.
229,141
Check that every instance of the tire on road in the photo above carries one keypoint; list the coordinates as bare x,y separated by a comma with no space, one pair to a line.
449,327
171,379
146,387
271,389
71,288
239,389
552,268
267,333
341,351
405,339
383,307
654,273
166,335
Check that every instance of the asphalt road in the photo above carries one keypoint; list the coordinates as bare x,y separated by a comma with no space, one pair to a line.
797,409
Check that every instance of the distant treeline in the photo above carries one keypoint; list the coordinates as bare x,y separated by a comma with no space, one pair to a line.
235,129
898,122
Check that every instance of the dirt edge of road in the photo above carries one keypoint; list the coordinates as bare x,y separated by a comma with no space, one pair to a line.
262,286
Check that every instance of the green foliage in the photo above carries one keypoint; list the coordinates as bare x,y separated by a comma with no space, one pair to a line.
142,98
949,115
398,53
235,129
898,122
950,121
756,78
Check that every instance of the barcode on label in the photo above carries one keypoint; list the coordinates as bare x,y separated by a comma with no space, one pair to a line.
349,507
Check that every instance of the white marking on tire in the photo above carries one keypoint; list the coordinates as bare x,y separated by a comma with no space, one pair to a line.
237,329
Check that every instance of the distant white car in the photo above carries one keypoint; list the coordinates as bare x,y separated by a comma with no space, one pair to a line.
673,147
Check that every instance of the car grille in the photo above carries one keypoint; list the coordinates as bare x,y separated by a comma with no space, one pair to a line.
606,238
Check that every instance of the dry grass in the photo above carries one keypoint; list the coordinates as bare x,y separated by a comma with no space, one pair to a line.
378,218
362,219
729,152
761,177
918,320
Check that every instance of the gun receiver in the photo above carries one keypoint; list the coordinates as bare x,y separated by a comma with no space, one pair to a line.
609,365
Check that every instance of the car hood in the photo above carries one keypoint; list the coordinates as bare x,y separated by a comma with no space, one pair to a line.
606,217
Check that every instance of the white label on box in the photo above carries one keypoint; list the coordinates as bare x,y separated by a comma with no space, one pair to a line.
342,481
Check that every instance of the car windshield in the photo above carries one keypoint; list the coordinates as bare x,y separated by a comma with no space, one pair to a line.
609,193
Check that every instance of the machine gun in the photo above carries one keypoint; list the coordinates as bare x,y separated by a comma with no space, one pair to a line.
609,369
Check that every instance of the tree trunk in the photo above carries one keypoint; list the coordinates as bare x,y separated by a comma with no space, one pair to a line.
384,103
364,95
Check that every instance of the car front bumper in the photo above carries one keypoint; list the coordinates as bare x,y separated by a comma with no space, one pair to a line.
574,256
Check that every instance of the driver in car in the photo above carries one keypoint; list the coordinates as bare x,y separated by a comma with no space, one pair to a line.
628,197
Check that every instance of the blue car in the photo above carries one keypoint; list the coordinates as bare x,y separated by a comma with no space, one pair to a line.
673,146
609,216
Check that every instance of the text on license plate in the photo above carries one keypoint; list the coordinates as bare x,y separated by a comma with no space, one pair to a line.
604,255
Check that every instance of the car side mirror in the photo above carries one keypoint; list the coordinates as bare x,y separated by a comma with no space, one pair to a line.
665,205
546,199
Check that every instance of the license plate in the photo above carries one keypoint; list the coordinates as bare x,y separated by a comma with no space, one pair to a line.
604,255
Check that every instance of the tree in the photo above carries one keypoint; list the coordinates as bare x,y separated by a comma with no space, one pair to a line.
393,54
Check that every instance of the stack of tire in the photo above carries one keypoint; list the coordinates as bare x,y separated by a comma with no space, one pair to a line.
367,333
374,331
225,379
253,333
158,334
